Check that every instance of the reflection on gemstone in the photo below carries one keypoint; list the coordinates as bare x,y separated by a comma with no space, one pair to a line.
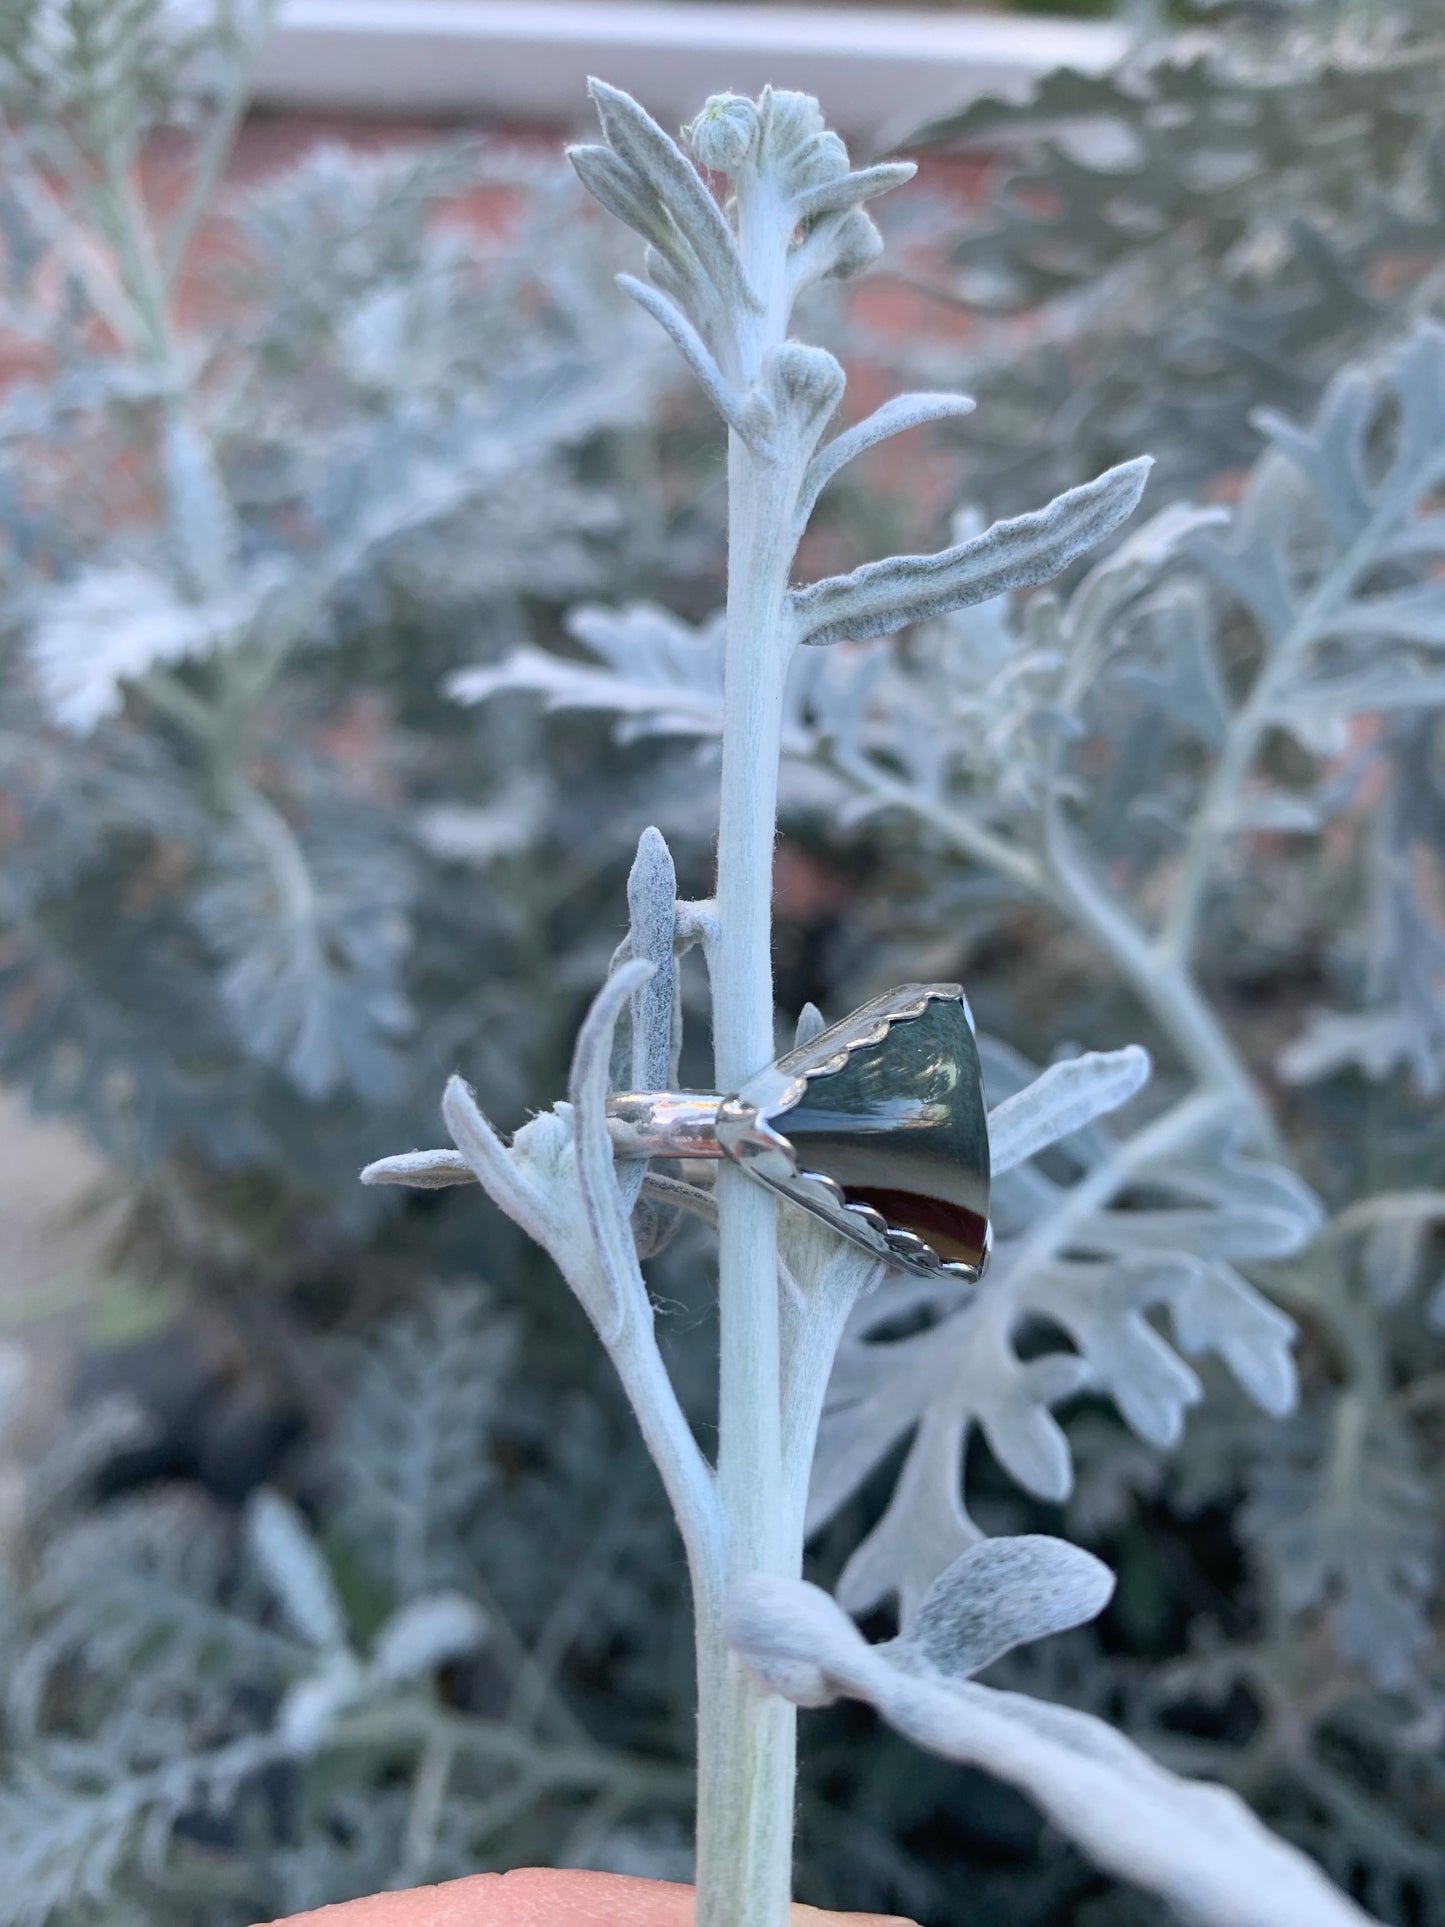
885,1109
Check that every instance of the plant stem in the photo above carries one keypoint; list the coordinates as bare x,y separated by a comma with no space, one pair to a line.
813,1322
746,1734
130,232
424,1814
50,218
1162,982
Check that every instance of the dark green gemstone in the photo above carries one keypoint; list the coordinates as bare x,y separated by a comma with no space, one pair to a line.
902,1126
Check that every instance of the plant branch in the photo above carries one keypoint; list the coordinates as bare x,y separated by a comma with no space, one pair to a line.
1214,821
966,833
107,296
746,1733
409,1722
215,148
135,244
1061,877
424,1811
1163,984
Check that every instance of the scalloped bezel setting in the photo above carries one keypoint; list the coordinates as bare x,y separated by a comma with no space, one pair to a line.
878,1126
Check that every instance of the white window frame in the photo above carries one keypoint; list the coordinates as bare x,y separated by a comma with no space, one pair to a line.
875,71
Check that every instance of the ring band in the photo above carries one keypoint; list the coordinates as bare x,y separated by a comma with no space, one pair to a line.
664,1124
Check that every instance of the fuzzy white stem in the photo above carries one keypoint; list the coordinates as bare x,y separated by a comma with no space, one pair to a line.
747,1734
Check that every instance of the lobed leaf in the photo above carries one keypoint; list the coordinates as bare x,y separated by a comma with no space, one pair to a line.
850,190
1000,1594
1348,1524
414,1453
1195,1845
311,935
881,597
661,672
111,625
694,351
893,418
1118,1229
1067,1096
636,137
287,1553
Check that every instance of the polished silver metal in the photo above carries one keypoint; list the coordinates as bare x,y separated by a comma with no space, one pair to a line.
663,1124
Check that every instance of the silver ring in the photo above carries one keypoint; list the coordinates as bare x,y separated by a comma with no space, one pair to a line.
886,1135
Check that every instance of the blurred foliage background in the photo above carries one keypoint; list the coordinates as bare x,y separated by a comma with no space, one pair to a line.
338,1566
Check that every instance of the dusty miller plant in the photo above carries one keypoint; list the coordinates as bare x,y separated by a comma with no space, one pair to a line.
252,508
250,856
253,504
1229,246
1096,1230
1224,218
233,1715
917,753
